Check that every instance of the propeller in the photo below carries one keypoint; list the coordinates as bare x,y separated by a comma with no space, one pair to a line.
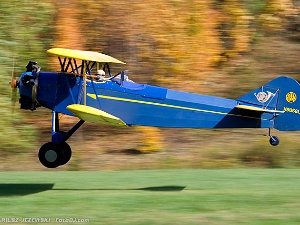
29,80
13,84
36,84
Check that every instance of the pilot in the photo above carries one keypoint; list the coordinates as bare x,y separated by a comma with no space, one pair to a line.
100,75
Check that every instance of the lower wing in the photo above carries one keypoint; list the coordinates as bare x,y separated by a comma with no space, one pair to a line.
94,115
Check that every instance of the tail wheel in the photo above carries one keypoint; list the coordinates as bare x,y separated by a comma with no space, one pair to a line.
67,152
51,155
274,140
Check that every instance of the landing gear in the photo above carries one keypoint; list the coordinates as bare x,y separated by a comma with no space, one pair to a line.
57,152
274,140
52,155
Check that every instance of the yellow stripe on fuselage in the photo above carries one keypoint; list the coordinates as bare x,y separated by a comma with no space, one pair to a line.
166,105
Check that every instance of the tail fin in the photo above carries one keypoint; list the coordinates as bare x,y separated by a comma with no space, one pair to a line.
282,93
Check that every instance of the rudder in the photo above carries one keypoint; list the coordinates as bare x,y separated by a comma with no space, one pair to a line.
283,94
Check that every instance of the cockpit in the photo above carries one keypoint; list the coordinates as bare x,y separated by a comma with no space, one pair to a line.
120,78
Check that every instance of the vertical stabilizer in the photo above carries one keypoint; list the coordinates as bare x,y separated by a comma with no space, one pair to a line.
283,94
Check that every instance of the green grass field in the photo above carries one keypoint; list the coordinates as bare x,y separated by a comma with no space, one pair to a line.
233,196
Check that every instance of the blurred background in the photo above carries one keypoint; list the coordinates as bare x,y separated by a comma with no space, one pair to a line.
215,47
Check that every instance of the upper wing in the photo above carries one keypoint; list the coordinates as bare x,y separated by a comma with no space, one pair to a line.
91,114
84,55
258,109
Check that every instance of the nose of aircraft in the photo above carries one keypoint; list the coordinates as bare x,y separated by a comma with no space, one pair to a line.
27,86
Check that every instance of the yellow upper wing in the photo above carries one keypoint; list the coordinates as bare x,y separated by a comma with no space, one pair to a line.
84,55
94,115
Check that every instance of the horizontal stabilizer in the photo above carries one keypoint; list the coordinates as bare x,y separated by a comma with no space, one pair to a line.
257,109
94,115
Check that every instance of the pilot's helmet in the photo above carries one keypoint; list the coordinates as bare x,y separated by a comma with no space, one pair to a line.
101,72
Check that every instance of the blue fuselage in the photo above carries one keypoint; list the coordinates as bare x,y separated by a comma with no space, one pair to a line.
146,105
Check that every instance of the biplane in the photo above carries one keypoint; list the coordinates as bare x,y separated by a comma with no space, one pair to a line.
80,89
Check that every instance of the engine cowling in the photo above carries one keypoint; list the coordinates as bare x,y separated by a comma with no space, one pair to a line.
28,86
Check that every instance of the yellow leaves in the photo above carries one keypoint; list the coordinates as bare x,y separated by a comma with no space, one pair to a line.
239,32
152,139
276,15
271,22
281,7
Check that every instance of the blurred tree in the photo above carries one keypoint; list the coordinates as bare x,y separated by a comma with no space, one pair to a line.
67,32
162,41
235,28
276,14
24,35
152,139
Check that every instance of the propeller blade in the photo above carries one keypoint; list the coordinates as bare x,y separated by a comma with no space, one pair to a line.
13,85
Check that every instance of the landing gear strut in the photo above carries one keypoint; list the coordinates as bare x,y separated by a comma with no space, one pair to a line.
274,140
57,152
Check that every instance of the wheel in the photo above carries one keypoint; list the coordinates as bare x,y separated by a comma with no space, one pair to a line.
274,140
67,152
51,155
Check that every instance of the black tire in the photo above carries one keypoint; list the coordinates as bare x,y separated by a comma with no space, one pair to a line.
274,140
51,155
67,152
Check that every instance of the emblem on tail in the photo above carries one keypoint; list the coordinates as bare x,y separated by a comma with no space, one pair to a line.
291,97
263,97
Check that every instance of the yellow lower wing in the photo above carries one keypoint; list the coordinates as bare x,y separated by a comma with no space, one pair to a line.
94,115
